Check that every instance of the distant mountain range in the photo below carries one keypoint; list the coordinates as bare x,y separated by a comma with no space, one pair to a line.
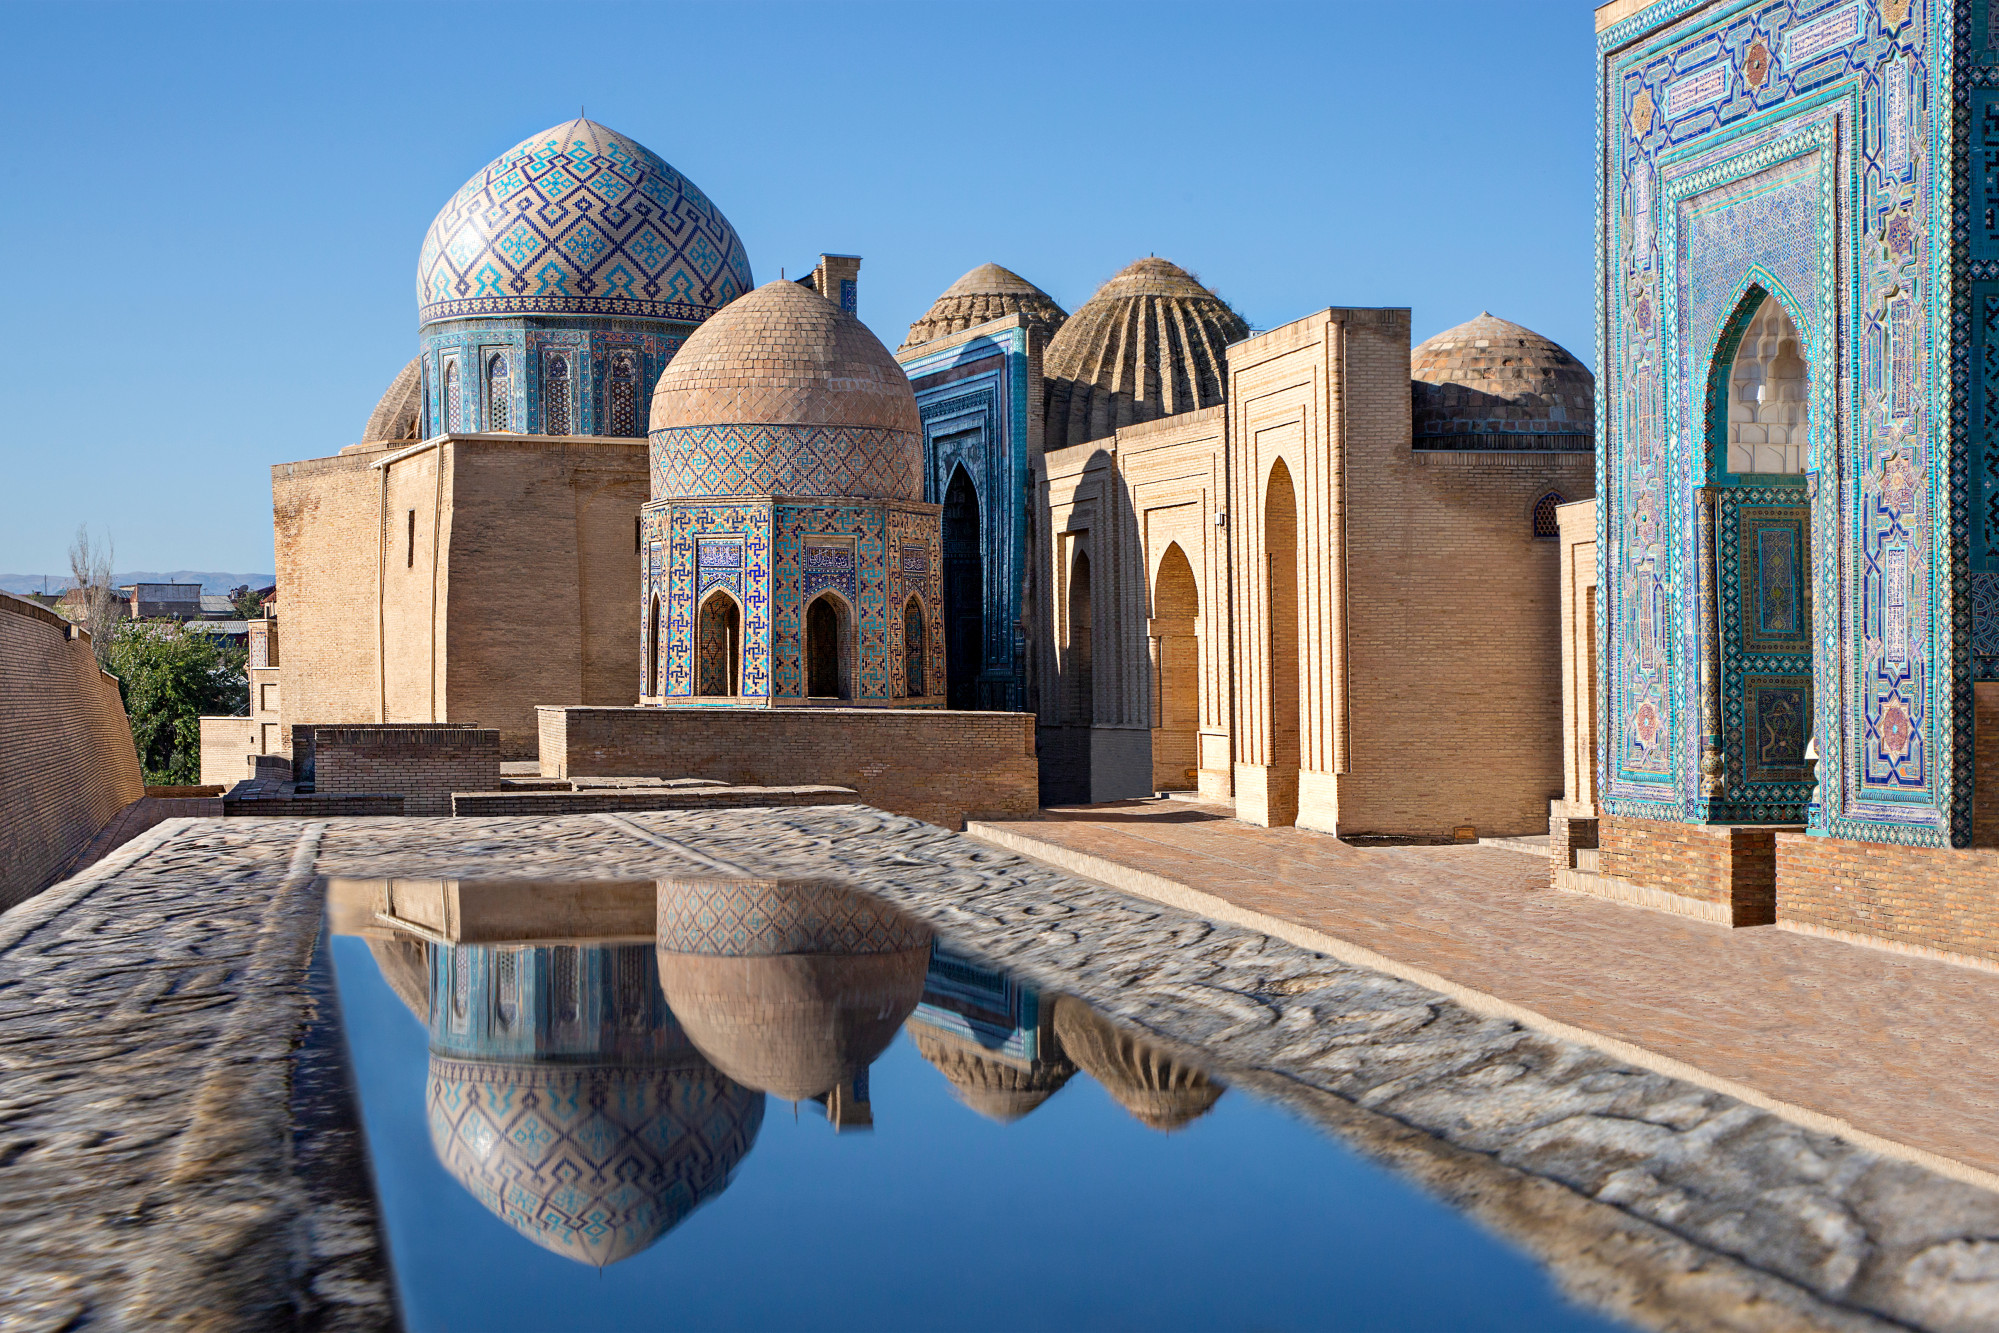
210,580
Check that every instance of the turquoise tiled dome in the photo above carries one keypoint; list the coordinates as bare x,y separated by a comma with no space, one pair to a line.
580,220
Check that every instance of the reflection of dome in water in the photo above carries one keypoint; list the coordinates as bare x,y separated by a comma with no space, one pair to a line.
405,965
593,1162
791,988
1159,1091
566,1099
997,1089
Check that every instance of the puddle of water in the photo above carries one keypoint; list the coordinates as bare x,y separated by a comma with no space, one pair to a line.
753,1107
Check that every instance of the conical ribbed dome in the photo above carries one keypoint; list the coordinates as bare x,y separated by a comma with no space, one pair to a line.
399,413
1491,384
1158,1090
1149,344
987,292
995,1088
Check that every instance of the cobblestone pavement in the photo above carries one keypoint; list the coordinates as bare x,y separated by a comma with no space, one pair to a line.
1903,1047
147,1013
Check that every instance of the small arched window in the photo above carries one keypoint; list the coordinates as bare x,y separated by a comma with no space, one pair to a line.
624,395
454,403
1547,523
499,393
555,396
912,649
652,650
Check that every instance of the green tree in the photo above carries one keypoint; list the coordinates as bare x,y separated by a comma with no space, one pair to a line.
170,678
246,603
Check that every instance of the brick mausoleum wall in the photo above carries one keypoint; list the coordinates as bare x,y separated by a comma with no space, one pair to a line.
940,766
1731,864
66,759
486,804
226,745
423,765
1985,786
1932,900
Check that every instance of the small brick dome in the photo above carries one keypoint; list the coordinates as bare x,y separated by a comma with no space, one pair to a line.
399,413
784,356
1149,344
987,292
1491,384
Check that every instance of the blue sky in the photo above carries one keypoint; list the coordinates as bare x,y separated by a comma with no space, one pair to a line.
215,210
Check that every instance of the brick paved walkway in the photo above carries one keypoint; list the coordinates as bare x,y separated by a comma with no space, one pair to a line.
1906,1048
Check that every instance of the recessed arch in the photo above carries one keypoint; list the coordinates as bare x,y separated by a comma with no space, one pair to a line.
652,648
719,646
964,591
1176,672
555,396
1544,520
1078,679
1280,555
915,642
1759,386
829,652
499,392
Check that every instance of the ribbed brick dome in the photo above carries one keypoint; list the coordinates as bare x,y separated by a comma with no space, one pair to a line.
987,292
784,356
399,414
1149,344
1491,384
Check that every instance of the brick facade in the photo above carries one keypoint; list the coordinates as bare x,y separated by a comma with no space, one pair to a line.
941,766
536,804
1732,866
1928,900
67,764
424,765
467,581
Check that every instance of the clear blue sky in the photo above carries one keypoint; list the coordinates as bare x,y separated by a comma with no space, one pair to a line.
214,211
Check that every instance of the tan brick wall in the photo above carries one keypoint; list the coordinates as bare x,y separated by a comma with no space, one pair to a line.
66,759
1924,899
1730,864
423,765
1577,561
1985,784
226,746
1427,614
935,765
515,585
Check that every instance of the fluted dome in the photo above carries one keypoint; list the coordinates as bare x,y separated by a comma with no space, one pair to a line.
593,1162
997,1089
399,414
987,292
794,988
784,393
1158,1090
1491,384
1149,344
580,220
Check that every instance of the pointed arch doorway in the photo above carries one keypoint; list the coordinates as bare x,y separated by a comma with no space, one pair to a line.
964,593
1176,673
1754,570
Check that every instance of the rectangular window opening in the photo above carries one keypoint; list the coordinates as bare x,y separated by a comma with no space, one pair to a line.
410,558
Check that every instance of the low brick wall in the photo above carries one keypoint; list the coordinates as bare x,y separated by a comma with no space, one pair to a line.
66,759
489,803
1566,835
424,765
1733,865
940,766
1927,900
226,746
273,805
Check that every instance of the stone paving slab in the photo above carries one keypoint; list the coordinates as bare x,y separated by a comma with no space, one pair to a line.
1897,1046
149,1093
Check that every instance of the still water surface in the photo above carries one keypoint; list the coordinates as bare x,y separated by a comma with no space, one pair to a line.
796,1109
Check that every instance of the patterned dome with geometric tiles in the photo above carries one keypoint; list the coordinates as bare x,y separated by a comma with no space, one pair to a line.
580,220
784,393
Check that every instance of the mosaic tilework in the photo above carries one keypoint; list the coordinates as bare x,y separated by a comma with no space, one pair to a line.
1763,534
739,920
1799,149
866,525
580,220
595,1163
978,421
918,572
862,461
634,350
976,1004
688,529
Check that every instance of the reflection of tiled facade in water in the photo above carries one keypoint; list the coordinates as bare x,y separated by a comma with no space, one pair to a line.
1800,647
990,1036
566,1099
786,470
558,281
